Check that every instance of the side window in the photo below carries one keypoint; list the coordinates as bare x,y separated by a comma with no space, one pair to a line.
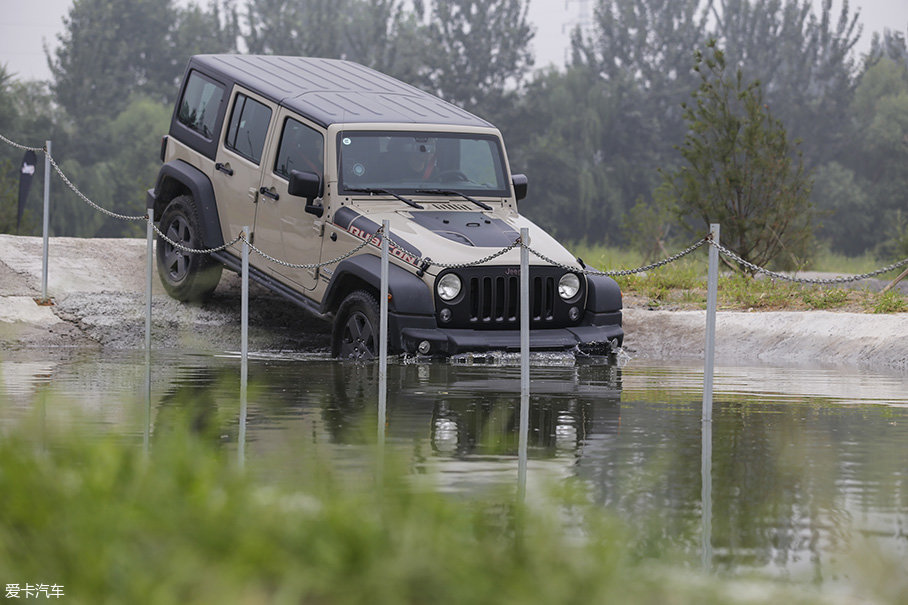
199,105
302,148
248,128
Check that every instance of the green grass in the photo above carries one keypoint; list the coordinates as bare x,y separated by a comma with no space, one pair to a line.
830,262
889,302
605,257
183,524
824,298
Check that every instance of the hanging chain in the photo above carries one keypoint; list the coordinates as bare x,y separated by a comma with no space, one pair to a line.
193,250
655,265
311,265
88,201
20,146
805,280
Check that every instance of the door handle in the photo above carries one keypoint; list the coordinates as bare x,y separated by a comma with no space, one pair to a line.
225,168
269,193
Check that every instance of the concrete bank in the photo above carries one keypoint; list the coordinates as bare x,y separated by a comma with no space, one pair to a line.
98,287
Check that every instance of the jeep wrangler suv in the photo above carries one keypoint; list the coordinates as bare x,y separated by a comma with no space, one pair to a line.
312,155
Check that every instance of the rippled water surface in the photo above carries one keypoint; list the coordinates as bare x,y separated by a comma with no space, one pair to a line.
808,465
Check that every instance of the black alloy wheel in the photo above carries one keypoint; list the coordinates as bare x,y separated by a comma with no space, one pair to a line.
186,276
356,326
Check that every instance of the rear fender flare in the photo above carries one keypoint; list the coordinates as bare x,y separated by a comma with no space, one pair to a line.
180,178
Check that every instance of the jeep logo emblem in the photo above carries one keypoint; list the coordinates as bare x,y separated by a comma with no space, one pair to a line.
512,271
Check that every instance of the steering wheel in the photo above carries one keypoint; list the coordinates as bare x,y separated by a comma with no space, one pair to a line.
452,175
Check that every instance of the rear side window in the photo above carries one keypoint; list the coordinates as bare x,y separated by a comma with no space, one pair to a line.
248,128
199,105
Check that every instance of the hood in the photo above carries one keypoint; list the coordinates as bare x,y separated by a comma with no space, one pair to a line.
452,236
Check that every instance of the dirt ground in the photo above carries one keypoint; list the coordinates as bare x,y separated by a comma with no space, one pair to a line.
98,291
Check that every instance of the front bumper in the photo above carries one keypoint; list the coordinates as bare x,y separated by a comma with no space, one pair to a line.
601,334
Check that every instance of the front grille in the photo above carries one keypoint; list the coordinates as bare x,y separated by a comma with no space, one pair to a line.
497,299
491,299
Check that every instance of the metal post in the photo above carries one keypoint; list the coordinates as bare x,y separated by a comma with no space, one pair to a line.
706,432
383,333
244,356
244,305
149,266
524,365
146,437
149,270
711,300
46,219
706,494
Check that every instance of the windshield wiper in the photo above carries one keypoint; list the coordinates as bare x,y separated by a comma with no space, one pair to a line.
452,192
386,192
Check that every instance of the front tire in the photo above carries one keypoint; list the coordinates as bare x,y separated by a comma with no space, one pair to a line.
355,334
186,276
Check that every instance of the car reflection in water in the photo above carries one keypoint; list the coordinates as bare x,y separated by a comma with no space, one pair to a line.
459,422
475,423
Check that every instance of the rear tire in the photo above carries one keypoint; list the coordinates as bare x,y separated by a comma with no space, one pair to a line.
355,334
185,275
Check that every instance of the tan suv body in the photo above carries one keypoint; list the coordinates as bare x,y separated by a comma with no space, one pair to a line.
312,155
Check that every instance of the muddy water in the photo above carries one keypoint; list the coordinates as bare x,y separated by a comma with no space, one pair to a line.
809,466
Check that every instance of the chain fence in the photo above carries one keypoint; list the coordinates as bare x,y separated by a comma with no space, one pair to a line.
807,280
20,146
425,262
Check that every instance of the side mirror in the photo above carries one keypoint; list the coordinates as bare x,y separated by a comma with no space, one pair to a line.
306,185
520,186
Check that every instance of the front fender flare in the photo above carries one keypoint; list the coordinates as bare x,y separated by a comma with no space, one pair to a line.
409,294
603,294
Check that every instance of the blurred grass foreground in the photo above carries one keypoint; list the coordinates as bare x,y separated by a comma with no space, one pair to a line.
182,522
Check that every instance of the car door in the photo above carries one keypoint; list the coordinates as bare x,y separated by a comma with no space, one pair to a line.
238,165
299,145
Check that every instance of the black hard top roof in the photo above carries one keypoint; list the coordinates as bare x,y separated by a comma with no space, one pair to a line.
331,91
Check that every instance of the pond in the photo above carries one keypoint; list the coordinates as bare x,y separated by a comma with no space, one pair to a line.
809,465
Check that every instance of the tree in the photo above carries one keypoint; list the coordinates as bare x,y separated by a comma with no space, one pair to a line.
312,28
479,53
633,71
205,31
892,45
880,109
642,48
804,61
385,36
739,169
845,211
110,50
640,51
572,192
380,34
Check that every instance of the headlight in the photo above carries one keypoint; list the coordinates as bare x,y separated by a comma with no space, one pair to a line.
448,287
568,286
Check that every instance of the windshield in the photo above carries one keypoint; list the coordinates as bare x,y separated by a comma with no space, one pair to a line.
408,162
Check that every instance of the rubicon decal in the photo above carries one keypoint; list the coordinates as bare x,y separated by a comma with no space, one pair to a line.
376,241
362,228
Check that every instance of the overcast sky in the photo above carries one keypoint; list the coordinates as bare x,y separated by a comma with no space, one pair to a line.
27,25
